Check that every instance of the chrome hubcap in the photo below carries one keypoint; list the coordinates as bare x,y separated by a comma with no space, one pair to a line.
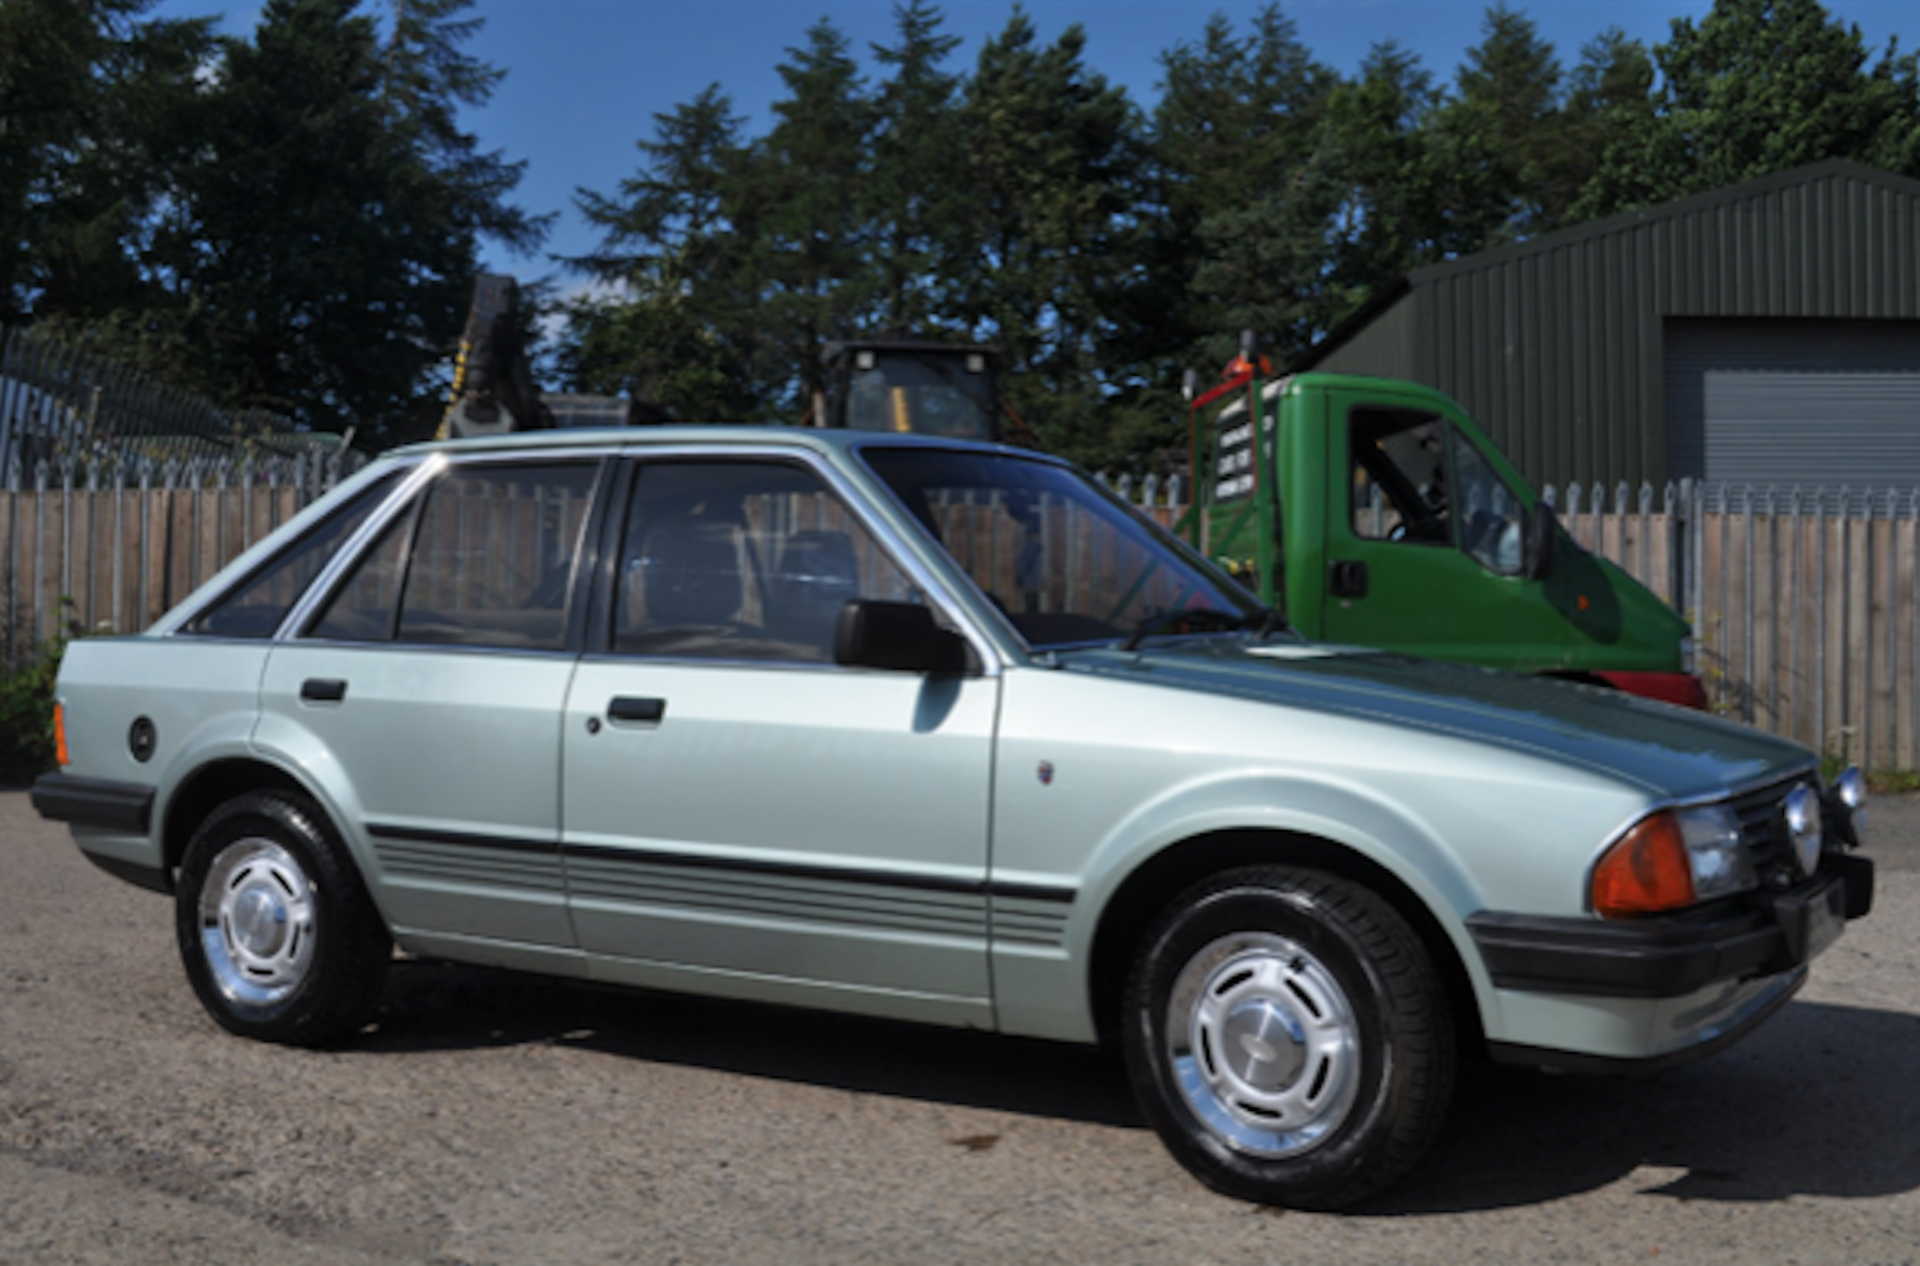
1264,1043
256,922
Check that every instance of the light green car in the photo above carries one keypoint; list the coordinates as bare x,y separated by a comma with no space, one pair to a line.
943,732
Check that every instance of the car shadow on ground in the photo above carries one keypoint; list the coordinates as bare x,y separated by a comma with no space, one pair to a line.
437,1006
1820,1101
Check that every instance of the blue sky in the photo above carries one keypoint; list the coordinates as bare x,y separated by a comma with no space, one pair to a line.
585,77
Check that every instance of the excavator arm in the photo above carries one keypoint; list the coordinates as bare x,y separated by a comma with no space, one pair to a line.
493,391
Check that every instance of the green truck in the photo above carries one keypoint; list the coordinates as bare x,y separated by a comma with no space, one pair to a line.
1374,512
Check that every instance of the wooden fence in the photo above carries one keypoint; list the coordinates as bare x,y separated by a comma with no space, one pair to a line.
82,556
1803,603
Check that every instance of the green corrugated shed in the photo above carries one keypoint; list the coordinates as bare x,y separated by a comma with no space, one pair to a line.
1558,345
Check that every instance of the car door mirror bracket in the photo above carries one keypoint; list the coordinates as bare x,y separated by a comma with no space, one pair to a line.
898,636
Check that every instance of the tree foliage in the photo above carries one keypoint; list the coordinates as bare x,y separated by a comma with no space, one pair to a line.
290,220
95,107
1756,86
293,219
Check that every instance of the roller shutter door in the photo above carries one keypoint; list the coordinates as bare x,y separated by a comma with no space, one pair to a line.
1794,402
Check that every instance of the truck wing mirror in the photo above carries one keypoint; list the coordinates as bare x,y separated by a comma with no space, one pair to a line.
1539,531
901,636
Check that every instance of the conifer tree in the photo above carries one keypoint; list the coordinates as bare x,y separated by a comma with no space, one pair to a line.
96,105
919,195
672,320
1057,158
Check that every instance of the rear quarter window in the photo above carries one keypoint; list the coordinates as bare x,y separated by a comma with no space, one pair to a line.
258,605
487,560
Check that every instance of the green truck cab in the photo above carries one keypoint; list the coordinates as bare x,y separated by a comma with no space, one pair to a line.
1374,512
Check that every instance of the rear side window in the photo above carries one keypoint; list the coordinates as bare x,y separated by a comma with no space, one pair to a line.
256,608
487,560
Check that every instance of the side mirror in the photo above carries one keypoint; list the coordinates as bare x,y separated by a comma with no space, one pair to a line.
900,636
1539,530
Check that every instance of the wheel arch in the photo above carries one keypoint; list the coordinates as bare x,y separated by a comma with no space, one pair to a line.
211,786
1160,880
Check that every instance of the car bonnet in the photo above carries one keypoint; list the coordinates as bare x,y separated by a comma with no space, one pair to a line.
1666,750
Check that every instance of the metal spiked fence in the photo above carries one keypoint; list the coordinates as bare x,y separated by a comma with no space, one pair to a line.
60,403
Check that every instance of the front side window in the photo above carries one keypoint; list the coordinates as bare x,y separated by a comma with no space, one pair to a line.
1489,512
742,560
1398,476
256,608
487,560
1064,562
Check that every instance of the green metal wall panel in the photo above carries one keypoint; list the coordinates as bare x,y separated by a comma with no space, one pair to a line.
1555,345
1384,346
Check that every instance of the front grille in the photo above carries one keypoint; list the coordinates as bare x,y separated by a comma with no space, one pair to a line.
1764,831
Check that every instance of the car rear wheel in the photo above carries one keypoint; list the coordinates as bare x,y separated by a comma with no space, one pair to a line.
1287,1036
278,935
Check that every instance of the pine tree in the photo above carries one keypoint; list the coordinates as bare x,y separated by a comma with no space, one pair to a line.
919,198
1238,137
674,324
1758,86
1057,158
96,106
335,217
812,174
1492,140
1389,217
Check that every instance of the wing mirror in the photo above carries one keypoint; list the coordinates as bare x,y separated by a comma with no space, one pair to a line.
900,636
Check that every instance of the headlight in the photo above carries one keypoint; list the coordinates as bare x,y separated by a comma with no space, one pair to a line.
1849,792
1672,859
1801,811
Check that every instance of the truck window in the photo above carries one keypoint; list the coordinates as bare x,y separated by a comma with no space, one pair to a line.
1489,512
1398,476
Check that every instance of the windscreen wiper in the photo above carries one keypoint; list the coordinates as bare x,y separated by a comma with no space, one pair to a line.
1265,621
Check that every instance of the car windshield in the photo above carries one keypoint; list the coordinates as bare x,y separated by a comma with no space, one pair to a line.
1065,561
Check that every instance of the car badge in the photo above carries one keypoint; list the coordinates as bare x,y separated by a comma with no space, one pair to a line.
1046,773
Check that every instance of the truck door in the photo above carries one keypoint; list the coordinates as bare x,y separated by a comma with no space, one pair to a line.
1424,542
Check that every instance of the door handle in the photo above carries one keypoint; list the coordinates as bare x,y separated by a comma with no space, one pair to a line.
1347,578
322,690
627,708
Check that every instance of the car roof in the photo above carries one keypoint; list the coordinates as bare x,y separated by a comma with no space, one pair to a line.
808,438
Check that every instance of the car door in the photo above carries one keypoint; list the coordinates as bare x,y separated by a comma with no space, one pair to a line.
425,692
744,816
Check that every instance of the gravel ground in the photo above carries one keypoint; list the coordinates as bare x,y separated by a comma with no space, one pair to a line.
491,1118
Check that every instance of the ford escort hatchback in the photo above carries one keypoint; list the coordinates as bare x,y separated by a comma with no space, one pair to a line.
943,732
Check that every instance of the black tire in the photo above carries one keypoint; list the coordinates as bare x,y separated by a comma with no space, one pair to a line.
278,935
1337,1020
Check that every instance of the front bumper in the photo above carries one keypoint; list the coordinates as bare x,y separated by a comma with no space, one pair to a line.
1668,957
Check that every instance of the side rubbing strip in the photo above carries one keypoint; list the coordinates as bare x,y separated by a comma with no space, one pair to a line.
830,874
420,835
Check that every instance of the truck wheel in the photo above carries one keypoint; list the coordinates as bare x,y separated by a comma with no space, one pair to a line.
1287,1036
276,930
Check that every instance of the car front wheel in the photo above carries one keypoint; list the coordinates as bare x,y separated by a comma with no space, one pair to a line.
278,935
1287,1036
